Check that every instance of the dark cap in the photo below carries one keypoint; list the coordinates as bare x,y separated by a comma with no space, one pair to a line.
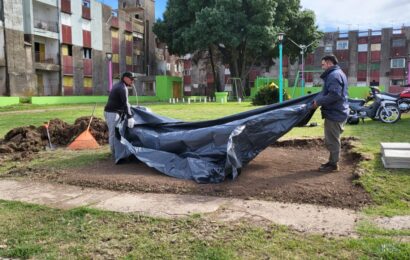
128,74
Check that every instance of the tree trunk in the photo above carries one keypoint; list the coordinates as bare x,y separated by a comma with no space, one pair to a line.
217,84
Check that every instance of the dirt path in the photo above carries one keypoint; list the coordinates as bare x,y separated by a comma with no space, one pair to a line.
301,217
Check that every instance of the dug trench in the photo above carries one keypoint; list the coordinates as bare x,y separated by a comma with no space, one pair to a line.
286,171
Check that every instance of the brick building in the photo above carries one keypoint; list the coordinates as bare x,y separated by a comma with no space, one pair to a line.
373,57
60,47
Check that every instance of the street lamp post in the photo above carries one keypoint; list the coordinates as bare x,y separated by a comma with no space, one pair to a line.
408,70
280,38
108,55
303,49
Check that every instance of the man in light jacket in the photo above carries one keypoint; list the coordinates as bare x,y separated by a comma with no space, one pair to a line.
333,101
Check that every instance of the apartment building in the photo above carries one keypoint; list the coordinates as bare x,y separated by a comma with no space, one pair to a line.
372,57
66,47
16,54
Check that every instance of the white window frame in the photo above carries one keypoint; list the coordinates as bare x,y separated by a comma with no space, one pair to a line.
328,48
362,47
342,45
395,63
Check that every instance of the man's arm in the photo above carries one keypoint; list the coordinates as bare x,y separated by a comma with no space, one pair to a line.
334,93
124,101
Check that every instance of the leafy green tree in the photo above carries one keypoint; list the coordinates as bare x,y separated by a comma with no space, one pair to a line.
244,32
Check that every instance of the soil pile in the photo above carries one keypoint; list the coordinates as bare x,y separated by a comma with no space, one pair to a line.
34,139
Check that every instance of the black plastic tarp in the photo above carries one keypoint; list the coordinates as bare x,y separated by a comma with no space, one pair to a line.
208,151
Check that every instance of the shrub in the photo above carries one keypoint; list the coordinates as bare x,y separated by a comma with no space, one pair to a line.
268,94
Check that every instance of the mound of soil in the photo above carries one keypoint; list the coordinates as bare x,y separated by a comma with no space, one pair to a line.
287,172
31,139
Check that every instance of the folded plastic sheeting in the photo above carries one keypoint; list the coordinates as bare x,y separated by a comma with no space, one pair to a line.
208,151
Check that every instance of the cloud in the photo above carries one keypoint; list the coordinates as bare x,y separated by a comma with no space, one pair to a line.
359,15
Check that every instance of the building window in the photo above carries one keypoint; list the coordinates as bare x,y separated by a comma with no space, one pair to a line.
376,47
86,3
398,43
342,45
343,35
328,48
397,82
362,47
187,72
397,31
168,66
87,53
67,50
398,63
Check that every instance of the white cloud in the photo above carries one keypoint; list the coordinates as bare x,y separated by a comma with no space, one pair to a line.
359,15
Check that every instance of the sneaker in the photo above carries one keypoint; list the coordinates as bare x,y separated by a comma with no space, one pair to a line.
328,167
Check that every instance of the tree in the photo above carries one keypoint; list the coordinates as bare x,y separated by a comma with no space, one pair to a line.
243,31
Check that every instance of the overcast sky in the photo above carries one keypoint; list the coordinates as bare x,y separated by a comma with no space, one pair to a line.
359,14
345,15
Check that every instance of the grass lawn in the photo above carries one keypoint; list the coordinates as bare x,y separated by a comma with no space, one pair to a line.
29,231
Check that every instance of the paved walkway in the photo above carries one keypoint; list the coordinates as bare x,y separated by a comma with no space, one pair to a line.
302,217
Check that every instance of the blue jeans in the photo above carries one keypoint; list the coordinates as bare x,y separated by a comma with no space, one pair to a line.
111,119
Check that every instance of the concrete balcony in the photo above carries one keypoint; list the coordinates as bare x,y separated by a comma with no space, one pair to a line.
48,64
45,28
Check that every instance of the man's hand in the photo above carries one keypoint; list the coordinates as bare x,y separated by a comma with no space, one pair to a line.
314,105
130,122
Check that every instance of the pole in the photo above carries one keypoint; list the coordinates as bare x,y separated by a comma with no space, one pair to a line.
109,75
408,70
280,74
303,73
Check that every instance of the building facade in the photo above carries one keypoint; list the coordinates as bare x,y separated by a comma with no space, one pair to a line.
62,47
373,57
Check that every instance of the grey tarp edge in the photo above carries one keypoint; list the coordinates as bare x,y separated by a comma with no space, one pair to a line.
208,151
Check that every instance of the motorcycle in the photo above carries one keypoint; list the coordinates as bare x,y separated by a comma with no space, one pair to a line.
404,101
384,108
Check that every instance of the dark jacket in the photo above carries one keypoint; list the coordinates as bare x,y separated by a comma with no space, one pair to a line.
334,98
118,100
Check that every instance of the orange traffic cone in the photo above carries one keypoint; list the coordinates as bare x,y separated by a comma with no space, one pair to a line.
85,140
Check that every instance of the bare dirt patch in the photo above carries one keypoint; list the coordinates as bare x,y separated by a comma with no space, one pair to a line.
285,172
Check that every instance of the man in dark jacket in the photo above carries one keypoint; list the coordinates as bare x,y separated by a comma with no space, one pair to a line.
333,101
118,105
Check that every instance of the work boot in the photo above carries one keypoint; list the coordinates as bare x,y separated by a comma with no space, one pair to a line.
328,167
